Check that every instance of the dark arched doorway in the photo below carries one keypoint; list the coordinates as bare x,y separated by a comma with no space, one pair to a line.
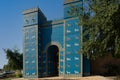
53,60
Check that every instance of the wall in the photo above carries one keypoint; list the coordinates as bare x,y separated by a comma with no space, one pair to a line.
98,65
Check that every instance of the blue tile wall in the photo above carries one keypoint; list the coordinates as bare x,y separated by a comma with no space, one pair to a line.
31,19
30,51
73,57
68,11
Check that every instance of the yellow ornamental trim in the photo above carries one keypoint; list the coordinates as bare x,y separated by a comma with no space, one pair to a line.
69,1
53,43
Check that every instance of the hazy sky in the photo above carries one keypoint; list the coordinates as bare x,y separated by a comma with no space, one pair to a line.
11,20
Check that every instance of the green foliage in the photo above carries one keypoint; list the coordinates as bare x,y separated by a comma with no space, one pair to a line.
15,60
6,68
19,74
101,28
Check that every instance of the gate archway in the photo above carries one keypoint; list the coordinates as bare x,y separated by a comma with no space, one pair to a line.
53,60
53,50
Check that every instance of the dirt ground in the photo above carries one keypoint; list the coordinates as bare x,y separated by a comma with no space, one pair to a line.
72,78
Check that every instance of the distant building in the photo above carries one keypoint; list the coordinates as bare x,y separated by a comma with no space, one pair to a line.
53,48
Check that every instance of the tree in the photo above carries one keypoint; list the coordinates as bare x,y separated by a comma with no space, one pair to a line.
101,28
15,60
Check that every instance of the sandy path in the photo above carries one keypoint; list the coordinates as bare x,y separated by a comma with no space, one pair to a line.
73,78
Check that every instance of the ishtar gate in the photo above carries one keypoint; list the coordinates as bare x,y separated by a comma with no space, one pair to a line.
53,48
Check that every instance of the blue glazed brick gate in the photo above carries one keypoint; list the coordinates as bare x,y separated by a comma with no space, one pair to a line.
53,48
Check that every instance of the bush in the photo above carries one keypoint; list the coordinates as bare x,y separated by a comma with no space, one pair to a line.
18,74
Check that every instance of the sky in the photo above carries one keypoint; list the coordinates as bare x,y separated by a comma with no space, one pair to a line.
11,20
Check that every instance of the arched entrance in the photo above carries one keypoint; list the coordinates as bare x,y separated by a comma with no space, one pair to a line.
53,60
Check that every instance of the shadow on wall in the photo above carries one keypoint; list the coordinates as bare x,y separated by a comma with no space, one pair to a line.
50,52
